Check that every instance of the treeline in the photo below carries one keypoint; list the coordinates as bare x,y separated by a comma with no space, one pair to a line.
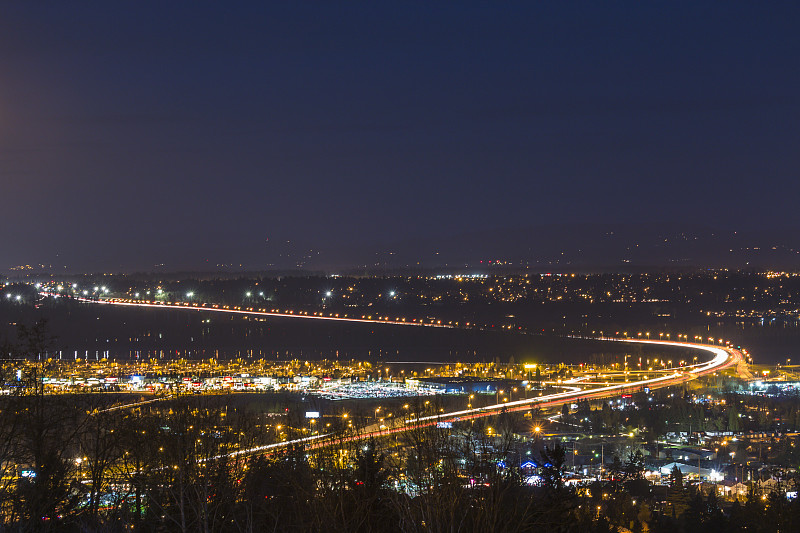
691,510
76,463
79,463
674,411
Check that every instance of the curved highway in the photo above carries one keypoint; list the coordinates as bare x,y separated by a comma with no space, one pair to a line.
722,358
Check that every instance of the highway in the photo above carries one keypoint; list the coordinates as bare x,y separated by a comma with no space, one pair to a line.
721,359
251,311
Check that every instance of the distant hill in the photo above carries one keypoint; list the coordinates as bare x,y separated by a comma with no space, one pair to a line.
556,247
574,247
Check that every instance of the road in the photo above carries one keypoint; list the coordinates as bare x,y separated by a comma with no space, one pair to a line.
722,358
252,311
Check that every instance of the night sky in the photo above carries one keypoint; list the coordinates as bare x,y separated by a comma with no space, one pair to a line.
196,134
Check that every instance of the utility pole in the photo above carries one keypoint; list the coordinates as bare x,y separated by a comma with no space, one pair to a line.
602,460
573,455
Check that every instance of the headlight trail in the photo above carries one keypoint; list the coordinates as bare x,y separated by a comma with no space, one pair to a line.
722,358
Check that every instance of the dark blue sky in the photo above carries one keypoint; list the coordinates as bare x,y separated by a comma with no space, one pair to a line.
140,133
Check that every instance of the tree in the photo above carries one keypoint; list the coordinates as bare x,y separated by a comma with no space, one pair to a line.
35,340
370,474
553,467
733,419
677,498
43,444
676,478
99,449
634,466
704,514
616,471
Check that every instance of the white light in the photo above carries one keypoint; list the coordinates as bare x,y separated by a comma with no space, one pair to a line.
248,294
329,294
391,293
189,294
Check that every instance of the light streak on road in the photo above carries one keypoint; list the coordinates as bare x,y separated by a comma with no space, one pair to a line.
253,312
132,405
723,357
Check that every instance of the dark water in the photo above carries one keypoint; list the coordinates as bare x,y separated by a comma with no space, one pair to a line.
769,340
95,332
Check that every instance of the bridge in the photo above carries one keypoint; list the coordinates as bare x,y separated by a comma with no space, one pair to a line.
722,358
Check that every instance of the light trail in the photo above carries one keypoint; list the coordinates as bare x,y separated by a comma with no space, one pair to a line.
723,357
255,312
132,405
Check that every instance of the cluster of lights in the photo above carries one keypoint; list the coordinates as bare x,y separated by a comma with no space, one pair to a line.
59,289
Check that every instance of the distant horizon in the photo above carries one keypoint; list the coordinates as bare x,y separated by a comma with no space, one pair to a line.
327,135
555,247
